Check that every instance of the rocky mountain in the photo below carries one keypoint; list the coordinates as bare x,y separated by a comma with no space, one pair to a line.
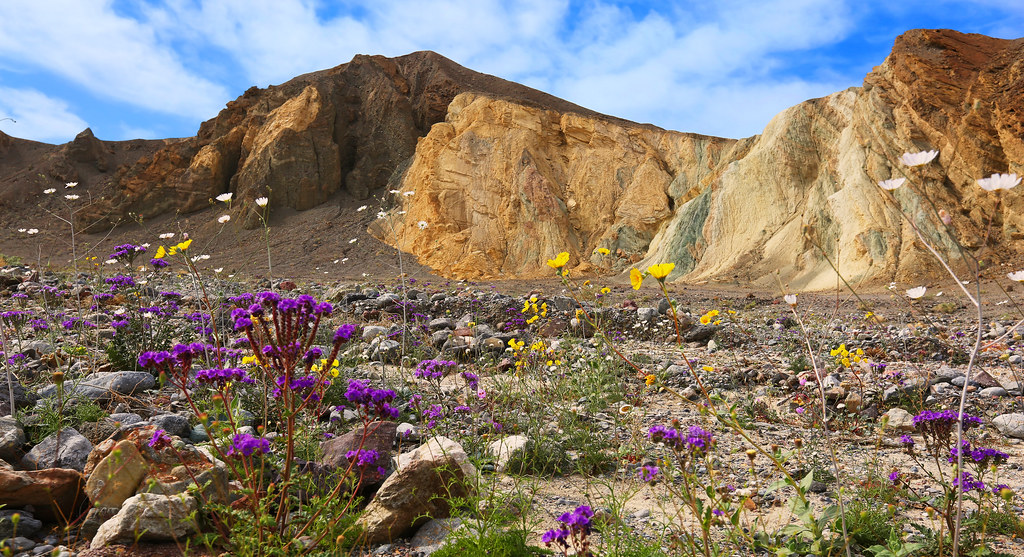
500,187
494,178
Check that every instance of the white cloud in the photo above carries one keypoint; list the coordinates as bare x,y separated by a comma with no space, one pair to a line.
39,117
112,56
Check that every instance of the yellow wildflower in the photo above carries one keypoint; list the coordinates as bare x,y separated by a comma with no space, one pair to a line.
636,278
531,320
160,253
661,270
184,245
606,290
603,251
560,261
650,379
708,369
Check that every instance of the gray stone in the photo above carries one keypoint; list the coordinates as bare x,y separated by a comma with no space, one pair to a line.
12,438
198,434
126,418
992,391
173,424
27,525
701,333
386,351
426,480
95,517
503,448
149,517
65,449
101,386
371,332
441,323
17,545
1010,425
945,374
646,315
432,536
900,419
407,432
664,306
22,397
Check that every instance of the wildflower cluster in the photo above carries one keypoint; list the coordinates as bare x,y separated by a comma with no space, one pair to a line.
573,532
535,312
371,401
696,441
938,427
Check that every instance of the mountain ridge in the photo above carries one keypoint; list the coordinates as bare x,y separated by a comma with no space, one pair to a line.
506,176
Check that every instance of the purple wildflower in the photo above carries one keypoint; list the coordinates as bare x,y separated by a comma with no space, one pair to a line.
344,333
248,445
648,473
966,482
159,439
222,377
363,457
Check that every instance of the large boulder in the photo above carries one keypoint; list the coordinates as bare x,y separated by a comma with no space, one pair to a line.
150,517
55,493
427,479
117,475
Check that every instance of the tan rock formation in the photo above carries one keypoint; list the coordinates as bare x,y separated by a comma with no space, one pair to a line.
347,128
503,187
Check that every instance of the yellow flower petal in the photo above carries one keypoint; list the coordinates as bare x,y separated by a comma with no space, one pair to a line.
603,251
560,261
636,278
661,270
160,253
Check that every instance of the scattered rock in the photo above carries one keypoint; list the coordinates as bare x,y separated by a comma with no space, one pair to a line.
426,479
65,449
149,517
12,438
55,493
1011,425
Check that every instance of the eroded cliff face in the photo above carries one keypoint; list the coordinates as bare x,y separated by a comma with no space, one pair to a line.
347,128
502,187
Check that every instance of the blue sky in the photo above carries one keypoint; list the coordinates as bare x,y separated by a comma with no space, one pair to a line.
157,68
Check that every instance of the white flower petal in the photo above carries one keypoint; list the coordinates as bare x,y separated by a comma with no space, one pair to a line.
917,159
790,299
891,183
224,197
916,292
1017,276
999,182
224,218
262,201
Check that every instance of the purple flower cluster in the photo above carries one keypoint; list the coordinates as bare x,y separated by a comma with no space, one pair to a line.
344,333
966,482
159,439
938,427
222,377
303,385
373,401
981,457
126,253
574,525
648,473
247,445
434,369
75,322
363,457
698,441
119,281
472,379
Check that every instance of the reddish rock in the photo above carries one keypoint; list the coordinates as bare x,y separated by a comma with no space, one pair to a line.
56,493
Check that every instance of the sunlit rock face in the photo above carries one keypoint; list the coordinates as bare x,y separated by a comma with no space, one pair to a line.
500,187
